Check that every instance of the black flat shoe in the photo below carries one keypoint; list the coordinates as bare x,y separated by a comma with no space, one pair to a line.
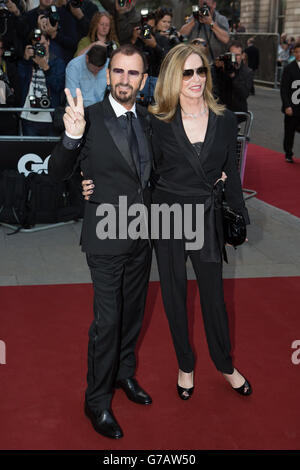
104,423
134,392
245,389
184,393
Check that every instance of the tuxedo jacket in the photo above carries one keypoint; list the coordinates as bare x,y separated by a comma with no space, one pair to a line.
104,156
290,88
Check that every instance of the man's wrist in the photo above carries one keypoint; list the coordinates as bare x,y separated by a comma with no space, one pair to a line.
73,136
212,24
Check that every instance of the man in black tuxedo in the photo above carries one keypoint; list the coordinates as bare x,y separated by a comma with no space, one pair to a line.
111,142
290,96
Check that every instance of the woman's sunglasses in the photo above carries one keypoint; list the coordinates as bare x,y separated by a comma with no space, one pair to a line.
187,74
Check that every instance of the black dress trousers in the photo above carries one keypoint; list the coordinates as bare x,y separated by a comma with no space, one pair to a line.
291,123
171,258
120,289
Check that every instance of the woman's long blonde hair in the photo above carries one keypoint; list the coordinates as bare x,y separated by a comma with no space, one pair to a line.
169,83
94,25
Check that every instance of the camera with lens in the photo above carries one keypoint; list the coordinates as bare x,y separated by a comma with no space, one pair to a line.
146,29
111,46
76,3
52,14
42,102
10,54
174,38
122,3
204,11
229,60
39,50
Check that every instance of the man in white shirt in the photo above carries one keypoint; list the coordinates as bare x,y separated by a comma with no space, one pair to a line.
111,142
88,72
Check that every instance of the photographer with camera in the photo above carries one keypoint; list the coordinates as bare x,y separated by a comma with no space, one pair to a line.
9,93
57,23
10,14
101,33
234,79
155,42
82,11
42,78
207,23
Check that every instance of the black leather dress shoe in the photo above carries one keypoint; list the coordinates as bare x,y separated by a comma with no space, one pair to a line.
104,423
134,392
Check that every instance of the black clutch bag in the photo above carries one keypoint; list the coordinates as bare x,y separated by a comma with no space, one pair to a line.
234,227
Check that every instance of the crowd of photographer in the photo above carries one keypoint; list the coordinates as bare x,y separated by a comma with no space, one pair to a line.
68,43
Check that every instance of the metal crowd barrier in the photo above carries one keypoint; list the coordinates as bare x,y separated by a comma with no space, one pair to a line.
37,141
245,120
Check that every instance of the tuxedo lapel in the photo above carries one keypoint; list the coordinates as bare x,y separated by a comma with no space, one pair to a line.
117,134
187,148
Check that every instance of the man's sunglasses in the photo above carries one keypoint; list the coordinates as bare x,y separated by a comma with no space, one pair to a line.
131,73
187,74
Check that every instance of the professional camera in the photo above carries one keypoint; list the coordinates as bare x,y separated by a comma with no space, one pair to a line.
122,3
229,60
174,38
76,3
146,29
10,54
204,11
42,102
52,14
200,12
39,50
111,46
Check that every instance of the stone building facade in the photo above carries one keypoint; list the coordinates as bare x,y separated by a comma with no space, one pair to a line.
271,16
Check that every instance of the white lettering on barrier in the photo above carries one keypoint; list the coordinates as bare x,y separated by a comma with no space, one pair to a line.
38,165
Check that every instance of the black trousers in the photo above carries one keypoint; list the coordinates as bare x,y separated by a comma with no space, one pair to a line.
171,259
120,288
290,125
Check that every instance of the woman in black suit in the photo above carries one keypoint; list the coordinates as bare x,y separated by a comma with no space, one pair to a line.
194,141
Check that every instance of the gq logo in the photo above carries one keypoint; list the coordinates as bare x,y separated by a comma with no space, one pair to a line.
296,94
32,163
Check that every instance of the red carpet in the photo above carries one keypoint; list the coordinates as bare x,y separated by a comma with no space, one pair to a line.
43,381
276,182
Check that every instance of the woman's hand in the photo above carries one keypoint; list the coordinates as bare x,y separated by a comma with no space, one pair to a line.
87,186
223,178
74,116
28,52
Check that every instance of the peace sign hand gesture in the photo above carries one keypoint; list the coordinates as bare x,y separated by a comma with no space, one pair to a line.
74,114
